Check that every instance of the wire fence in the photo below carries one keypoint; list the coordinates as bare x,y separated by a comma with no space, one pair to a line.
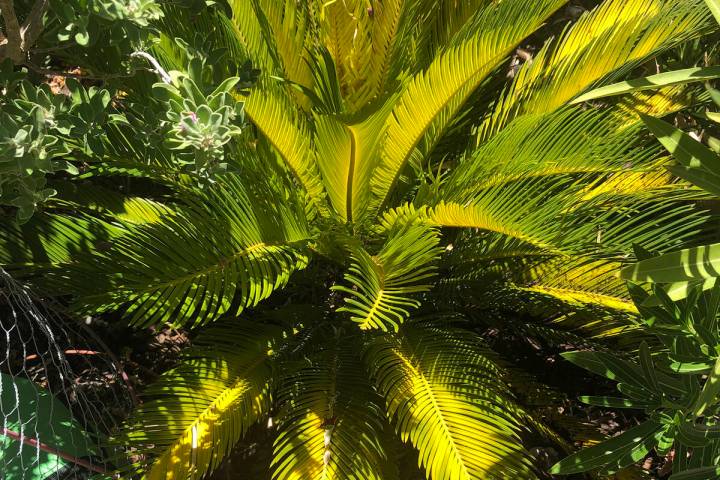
61,392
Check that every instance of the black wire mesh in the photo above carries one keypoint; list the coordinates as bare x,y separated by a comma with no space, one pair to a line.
61,392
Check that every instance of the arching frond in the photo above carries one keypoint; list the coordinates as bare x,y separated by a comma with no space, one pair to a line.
442,20
438,93
197,412
200,263
565,143
450,401
384,284
583,282
111,204
271,110
52,239
332,424
569,166
600,47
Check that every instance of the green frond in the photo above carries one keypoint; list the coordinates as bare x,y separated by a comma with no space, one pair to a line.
526,220
277,36
332,424
599,48
567,182
442,21
178,22
52,239
199,264
450,401
358,37
568,142
384,284
109,204
440,91
601,327
270,108
195,413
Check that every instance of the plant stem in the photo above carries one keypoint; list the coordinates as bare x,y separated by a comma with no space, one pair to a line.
46,448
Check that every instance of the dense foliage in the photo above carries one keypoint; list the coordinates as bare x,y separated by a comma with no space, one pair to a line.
345,199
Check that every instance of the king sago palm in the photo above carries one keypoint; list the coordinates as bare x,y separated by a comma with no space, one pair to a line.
411,179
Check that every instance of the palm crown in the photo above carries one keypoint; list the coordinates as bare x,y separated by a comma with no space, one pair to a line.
376,147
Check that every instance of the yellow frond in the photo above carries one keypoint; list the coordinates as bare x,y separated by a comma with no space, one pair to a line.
384,285
346,155
475,216
451,402
249,32
346,28
657,103
585,283
571,296
218,391
291,30
615,36
630,183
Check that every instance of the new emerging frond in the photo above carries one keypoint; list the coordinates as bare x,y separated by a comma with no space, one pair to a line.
383,284
271,109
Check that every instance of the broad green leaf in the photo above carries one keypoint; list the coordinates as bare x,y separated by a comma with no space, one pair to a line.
697,436
698,164
660,80
697,176
36,414
614,402
686,265
623,450
714,6
710,392
705,473
712,116
608,366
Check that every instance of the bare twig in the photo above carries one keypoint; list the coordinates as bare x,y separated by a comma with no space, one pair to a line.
116,362
158,68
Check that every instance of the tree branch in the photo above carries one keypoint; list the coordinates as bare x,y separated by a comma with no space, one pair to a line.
13,47
33,26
